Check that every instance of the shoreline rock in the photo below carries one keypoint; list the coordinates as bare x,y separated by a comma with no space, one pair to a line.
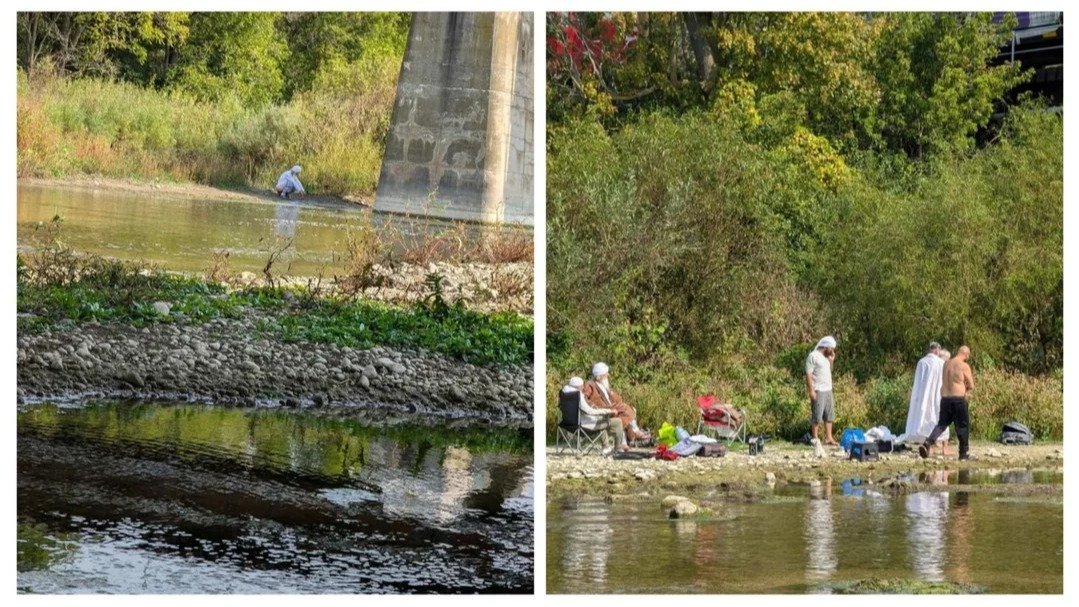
230,362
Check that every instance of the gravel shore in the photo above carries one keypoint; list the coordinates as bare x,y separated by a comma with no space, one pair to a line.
230,362
568,474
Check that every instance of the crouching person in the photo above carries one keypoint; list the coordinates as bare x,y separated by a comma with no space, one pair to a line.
289,183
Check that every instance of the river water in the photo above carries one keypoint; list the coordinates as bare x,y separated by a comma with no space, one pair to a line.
153,498
183,233
816,539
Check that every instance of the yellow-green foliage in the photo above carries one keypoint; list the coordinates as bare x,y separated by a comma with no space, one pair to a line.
121,130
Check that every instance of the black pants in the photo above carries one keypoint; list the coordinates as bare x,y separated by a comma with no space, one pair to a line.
953,409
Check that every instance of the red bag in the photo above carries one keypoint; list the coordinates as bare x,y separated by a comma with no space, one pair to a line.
662,452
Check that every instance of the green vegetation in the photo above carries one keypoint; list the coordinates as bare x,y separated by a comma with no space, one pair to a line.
227,99
57,286
899,586
39,548
840,174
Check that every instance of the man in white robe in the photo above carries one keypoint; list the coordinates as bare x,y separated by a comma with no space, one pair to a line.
289,183
925,398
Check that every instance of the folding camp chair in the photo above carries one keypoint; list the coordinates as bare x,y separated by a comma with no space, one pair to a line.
725,422
570,434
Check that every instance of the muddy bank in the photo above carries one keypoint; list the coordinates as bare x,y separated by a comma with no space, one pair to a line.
187,190
234,362
568,474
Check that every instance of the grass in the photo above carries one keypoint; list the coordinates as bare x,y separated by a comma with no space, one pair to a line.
121,130
56,286
903,586
504,338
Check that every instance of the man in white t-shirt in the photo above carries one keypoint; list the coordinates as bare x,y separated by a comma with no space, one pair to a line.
819,388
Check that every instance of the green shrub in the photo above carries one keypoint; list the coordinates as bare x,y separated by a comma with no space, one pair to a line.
122,130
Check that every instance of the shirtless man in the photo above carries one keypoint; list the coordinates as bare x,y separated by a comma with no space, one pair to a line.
957,384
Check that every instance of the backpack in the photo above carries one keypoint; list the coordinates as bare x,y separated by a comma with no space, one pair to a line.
1015,433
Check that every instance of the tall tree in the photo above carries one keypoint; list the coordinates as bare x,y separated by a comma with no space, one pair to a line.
235,55
124,45
321,40
911,82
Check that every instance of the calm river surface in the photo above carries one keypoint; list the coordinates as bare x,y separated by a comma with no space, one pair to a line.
806,540
149,498
182,234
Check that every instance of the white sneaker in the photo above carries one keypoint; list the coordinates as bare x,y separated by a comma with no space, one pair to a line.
607,451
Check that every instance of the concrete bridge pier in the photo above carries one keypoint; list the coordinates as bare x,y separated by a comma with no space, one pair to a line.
460,141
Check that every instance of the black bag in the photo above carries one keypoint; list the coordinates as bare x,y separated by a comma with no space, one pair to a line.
1015,433
713,450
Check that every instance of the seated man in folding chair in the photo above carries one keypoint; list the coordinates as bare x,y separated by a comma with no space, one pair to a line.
593,418
599,394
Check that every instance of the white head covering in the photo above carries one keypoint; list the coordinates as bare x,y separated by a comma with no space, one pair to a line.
576,382
599,369
296,169
826,342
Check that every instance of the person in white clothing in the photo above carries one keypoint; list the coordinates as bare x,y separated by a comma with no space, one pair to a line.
289,183
924,408
818,367
594,417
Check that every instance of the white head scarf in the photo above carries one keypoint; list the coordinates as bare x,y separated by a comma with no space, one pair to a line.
575,384
296,169
599,369
826,342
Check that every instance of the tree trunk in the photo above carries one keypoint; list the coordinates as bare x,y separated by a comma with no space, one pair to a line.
702,50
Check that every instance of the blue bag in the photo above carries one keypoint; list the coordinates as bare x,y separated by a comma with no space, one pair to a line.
850,436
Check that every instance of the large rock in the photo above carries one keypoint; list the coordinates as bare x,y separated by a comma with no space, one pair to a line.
683,509
671,500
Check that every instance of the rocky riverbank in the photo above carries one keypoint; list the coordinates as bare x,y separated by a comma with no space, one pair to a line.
235,362
568,474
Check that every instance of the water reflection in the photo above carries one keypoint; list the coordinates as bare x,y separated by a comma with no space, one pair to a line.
820,541
927,516
286,216
848,532
587,546
220,494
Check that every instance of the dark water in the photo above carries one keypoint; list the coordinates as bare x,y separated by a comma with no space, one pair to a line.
182,234
806,540
137,498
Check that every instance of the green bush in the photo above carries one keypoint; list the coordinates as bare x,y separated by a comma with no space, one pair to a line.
122,130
